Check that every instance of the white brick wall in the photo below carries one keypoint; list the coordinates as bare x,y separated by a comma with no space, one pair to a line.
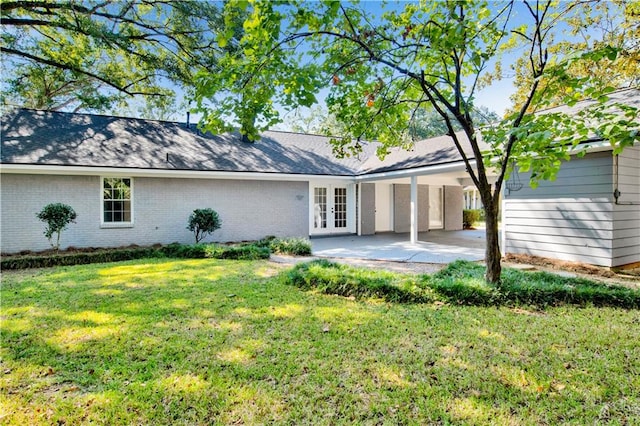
249,210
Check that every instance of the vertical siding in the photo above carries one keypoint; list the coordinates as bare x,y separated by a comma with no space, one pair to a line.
626,214
453,206
402,208
571,218
248,209
368,212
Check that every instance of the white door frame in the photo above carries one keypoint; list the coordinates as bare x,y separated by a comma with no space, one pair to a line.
330,211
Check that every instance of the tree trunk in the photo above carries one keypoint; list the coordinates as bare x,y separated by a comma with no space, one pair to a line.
492,251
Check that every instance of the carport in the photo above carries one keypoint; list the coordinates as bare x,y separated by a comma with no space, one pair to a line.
414,193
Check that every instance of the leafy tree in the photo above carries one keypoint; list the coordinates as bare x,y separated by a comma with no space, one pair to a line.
597,28
57,216
427,123
379,69
203,222
317,120
95,55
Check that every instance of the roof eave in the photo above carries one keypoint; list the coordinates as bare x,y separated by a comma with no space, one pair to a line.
454,166
160,173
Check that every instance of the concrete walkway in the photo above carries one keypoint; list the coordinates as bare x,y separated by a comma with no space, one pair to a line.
432,247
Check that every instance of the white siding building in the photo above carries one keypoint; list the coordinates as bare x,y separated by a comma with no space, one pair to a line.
577,217
137,181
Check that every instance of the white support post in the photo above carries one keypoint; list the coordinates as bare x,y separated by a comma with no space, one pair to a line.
414,209
359,209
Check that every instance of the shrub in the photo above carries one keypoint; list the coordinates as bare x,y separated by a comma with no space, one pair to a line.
203,222
57,216
67,259
470,217
332,278
292,246
216,251
245,252
184,251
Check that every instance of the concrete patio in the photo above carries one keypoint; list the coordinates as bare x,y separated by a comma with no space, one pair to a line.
432,247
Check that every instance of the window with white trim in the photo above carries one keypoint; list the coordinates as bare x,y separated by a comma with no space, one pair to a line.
117,200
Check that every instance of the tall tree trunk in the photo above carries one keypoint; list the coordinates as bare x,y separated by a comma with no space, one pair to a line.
492,253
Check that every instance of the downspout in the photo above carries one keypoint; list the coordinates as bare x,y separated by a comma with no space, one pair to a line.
616,191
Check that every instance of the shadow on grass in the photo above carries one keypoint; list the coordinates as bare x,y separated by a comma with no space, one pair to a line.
220,342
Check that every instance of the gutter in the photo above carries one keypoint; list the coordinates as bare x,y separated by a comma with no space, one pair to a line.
157,173
418,171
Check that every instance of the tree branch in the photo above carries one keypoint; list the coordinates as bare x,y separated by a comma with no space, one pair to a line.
74,69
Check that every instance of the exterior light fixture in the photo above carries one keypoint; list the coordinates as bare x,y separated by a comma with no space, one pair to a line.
514,183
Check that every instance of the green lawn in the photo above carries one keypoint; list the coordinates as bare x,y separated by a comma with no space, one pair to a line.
224,342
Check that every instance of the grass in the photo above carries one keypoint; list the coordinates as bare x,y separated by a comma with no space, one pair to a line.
461,283
221,341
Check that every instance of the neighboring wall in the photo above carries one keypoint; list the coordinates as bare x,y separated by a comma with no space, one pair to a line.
626,214
402,208
571,218
248,209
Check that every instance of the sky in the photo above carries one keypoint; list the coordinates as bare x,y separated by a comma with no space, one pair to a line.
496,97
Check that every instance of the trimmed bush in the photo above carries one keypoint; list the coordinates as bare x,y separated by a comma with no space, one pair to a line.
203,222
67,259
470,217
216,251
175,250
184,251
57,216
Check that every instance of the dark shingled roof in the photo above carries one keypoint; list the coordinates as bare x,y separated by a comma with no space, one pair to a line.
32,137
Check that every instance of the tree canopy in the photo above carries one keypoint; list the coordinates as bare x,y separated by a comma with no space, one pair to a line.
95,55
380,68
610,30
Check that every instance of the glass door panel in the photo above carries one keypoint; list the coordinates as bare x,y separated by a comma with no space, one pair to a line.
340,208
320,208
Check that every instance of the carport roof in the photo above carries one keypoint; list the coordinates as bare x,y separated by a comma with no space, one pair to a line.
37,138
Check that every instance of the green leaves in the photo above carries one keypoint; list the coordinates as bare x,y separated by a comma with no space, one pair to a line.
99,56
57,217
377,72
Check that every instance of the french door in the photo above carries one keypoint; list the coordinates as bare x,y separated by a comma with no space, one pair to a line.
331,207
